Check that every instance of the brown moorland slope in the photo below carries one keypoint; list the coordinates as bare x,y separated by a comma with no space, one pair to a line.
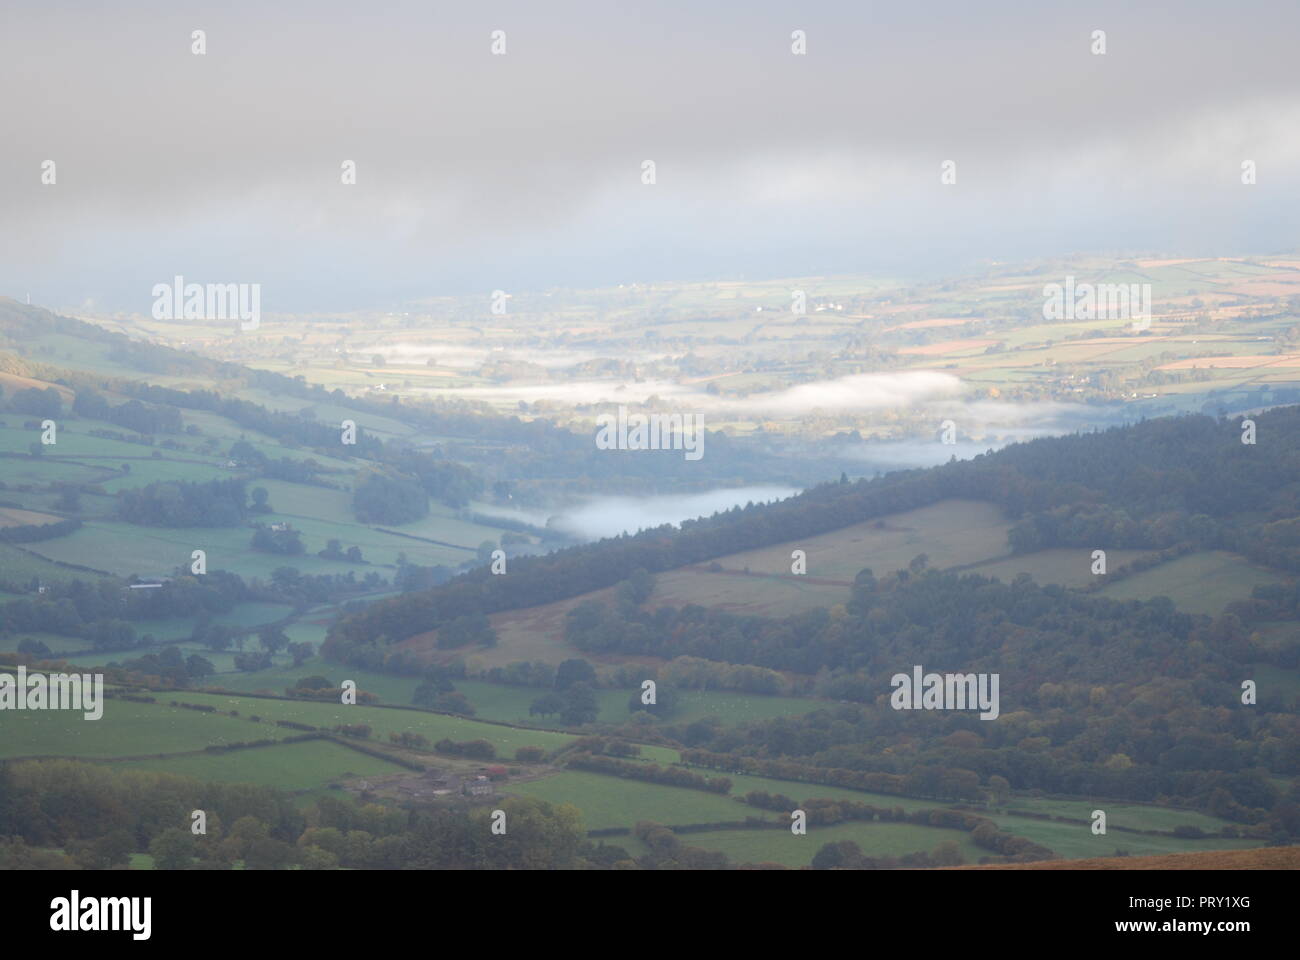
1263,858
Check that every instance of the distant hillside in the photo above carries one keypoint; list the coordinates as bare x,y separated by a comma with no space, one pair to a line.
537,461
52,345
11,383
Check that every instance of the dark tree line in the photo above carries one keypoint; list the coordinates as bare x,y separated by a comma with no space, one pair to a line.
132,415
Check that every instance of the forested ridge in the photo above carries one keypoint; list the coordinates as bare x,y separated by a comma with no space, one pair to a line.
1155,484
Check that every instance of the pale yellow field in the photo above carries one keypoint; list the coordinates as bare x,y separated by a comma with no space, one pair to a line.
13,517
951,533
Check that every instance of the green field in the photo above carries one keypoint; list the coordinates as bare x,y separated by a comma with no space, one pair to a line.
608,801
951,533
123,549
330,413
1204,582
291,766
243,616
614,802
1071,840
18,566
1069,568
388,688
659,755
131,729
761,595
305,632
509,704
743,783
298,500
20,471
376,546
1278,686
162,630
223,661
442,523
383,721
127,729
145,472
494,701
73,439
873,838
1136,816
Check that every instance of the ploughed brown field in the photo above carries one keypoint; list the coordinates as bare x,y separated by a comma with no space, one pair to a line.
1264,858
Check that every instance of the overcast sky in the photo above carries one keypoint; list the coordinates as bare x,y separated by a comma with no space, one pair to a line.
523,171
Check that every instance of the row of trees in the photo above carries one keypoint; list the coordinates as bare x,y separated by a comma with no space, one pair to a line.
639,770
145,418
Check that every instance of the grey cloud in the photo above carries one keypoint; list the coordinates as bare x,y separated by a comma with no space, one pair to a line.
524,169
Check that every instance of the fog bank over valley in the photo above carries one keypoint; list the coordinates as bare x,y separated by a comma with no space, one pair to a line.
610,516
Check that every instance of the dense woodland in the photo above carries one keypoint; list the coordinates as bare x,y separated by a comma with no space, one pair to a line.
380,498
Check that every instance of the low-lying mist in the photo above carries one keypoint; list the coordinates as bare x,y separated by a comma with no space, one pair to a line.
980,426
858,392
609,516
